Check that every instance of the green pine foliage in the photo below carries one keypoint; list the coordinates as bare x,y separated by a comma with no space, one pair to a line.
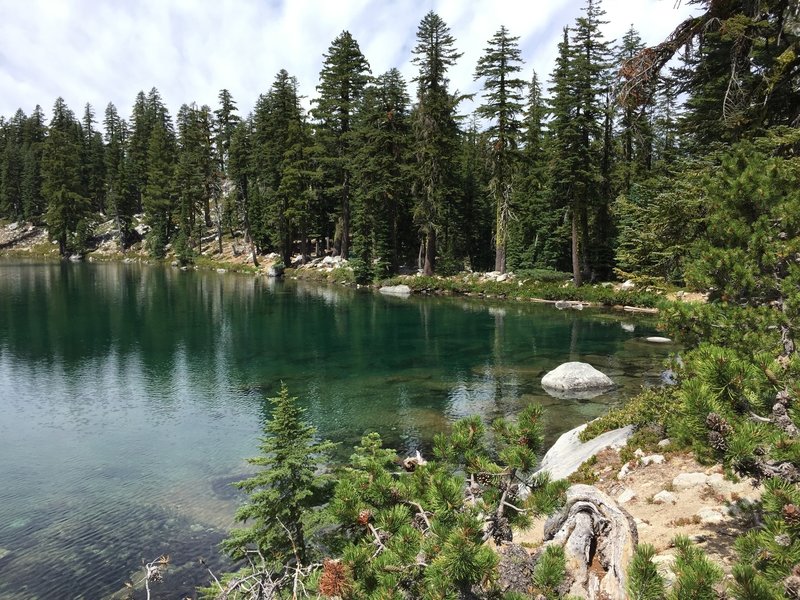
696,576
644,580
281,493
550,572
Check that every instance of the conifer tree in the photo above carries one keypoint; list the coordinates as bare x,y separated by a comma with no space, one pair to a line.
635,130
141,122
281,492
93,161
537,238
119,193
344,75
435,132
159,194
11,166
278,128
33,144
67,207
226,122
502,107
240,163
381,231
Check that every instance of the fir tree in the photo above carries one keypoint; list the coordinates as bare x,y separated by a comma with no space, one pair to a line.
158,199
381,229
226,123
119,193
502,108
93,161
280,494
33,145
342,80
67,207
537,238
435,132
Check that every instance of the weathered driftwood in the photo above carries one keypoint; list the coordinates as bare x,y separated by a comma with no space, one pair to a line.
598,538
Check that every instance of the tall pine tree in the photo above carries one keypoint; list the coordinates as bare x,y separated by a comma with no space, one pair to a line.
435,133
502,107
344,75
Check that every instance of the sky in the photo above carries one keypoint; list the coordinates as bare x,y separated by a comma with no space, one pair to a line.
101,51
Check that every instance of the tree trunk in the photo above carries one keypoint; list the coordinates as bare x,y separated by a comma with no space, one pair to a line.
599,539
345,218
576,259
430,252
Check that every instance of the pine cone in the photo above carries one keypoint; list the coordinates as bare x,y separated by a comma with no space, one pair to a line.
484,478
364,517
717,441
501,531
791,514
792,586
783,398
418,522
716,423
513,492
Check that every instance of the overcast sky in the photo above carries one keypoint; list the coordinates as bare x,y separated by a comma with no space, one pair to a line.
107,50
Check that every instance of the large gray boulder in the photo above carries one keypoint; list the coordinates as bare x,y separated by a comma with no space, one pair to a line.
569,453
576,380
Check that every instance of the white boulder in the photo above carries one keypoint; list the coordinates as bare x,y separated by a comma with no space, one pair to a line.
576,377
396,290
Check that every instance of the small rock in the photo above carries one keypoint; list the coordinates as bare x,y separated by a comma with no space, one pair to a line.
13,227
627,285
664,443
76,258
638,453
396,290
656,339
684,481
664,564
664,497
710,516
626,496
623,472
174,263
720,486
222,270
501,278
629,327
653,459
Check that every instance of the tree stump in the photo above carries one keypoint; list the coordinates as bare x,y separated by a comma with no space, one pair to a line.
599,539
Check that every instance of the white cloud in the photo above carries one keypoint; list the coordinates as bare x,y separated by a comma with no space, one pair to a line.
100,50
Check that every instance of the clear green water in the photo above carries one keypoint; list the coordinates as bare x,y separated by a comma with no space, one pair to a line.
130,396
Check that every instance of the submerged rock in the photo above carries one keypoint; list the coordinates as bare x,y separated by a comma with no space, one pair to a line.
574,377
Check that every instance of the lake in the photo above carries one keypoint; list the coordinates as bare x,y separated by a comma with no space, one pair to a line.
130,396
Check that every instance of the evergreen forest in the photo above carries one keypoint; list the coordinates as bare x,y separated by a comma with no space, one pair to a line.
676,164
592,168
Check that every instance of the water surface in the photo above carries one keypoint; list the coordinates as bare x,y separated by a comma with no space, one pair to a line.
130,396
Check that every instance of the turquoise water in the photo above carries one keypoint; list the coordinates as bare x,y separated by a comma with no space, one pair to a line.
131,395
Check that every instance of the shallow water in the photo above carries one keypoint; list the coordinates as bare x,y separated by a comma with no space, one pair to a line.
130,396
